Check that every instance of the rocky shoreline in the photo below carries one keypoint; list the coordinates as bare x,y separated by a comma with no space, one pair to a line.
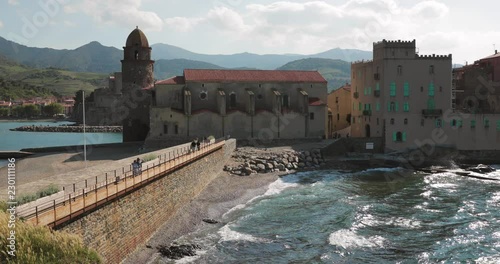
70,129
251,163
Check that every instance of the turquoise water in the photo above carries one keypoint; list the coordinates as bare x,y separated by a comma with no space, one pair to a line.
16,140
373,216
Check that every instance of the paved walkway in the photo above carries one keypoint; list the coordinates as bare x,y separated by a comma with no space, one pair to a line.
41,170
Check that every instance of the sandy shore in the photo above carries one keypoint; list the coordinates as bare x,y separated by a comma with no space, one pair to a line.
222,194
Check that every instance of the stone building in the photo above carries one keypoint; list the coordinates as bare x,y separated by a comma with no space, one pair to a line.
339,105
477,86
243,104
126,101
406,99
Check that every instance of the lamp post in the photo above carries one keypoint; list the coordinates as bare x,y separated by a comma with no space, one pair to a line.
84,137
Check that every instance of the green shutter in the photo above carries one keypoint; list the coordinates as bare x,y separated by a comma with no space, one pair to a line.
396,106
388,106
393,89
377,106
459,123
473,123
359,106
430,104
498,125
377,87
406,107
369,90
431,89
394,136
406,89
404,136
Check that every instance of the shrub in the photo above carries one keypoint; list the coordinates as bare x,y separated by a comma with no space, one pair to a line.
149,157
49,190
39,244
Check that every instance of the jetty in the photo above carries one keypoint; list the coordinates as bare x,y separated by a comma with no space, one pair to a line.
70,129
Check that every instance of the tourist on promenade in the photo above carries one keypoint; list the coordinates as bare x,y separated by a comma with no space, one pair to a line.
135,168
197,144
139,166
193,145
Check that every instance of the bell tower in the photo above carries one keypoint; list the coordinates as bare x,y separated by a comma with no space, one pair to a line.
137,77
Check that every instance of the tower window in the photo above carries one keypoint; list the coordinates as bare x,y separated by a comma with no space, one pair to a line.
406,121
400,70
338,117
203,95
136,55
165,129
176,128
311,116
259,96
392,121
431,69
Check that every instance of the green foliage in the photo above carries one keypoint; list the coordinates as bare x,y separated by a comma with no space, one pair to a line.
49,190
39,244
4,112
3,206
149,157
53,109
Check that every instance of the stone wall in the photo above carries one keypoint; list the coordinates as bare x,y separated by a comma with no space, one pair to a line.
117,228
344,145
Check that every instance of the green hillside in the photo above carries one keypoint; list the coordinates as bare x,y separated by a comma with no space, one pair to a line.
168,68
19,81
336,72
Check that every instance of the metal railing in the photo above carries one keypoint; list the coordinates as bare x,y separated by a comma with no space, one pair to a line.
111,186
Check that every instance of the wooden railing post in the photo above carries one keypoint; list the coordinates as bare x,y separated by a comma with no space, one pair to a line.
36,214
54,208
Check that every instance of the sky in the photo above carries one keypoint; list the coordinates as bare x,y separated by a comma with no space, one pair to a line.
467,29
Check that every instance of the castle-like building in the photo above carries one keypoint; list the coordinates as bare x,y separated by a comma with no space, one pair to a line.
243,104
406,99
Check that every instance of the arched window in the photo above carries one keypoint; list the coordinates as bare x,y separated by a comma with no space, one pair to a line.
136,55
232,100
392,121
399,136
406,121
286,102
400,70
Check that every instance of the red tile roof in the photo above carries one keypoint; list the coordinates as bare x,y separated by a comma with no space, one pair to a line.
173,80
195,75
315,101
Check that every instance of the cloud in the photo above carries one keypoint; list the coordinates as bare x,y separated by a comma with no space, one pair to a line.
315,26
1,24
125,13
68,23
13,2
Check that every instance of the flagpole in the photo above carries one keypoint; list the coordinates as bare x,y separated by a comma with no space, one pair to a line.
84,138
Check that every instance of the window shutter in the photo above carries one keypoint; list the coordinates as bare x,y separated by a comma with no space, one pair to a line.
396,105
394,136
388,106
404,136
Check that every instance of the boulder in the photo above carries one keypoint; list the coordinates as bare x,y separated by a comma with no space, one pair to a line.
178,251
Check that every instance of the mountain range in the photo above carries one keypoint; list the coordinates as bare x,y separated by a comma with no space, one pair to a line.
94,59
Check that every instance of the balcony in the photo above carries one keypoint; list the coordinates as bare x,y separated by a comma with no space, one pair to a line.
376,93
356,95
376,76
367,112
432,112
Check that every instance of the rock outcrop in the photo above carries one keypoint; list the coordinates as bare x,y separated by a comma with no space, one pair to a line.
274,162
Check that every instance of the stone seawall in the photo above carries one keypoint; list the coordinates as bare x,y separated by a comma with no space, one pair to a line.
116,229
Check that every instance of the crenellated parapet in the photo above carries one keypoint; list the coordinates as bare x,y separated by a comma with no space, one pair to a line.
433,57
395,44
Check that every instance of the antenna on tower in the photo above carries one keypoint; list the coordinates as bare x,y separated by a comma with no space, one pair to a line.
495,48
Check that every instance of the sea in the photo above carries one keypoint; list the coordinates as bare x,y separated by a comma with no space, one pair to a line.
17,140
379,215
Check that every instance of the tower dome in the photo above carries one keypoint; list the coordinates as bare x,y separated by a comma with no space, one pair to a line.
136,38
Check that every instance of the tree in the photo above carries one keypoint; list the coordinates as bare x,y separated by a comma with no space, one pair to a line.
31,110
53,109
18,111
4,112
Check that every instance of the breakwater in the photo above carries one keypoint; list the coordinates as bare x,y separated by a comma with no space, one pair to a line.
70,129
